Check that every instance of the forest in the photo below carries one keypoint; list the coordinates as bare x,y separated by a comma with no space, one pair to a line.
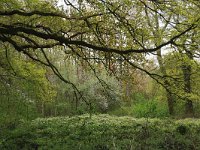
100,74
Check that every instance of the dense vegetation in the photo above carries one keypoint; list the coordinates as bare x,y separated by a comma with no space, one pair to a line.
120,58
104,132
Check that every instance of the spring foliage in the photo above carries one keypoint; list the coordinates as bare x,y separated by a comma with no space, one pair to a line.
103,132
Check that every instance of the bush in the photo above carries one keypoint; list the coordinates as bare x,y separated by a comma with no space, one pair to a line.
150,108
143,108
104,132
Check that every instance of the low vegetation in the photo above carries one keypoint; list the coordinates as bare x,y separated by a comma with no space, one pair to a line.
103,132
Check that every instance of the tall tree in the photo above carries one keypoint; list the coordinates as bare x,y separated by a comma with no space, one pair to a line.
33,27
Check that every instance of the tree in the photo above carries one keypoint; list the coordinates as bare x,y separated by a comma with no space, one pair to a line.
96,29
24,86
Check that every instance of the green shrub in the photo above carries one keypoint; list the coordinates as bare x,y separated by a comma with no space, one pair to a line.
103,132
150,108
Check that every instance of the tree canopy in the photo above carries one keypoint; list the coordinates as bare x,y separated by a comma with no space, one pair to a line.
114,34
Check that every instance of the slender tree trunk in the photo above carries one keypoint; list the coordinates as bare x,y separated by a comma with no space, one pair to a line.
189,110
157,31
170,102
170,99
42,109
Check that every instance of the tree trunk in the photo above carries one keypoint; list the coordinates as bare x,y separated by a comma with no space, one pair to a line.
170,102
157,31
170,99
189,110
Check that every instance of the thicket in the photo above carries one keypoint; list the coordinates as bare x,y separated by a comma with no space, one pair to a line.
103,132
